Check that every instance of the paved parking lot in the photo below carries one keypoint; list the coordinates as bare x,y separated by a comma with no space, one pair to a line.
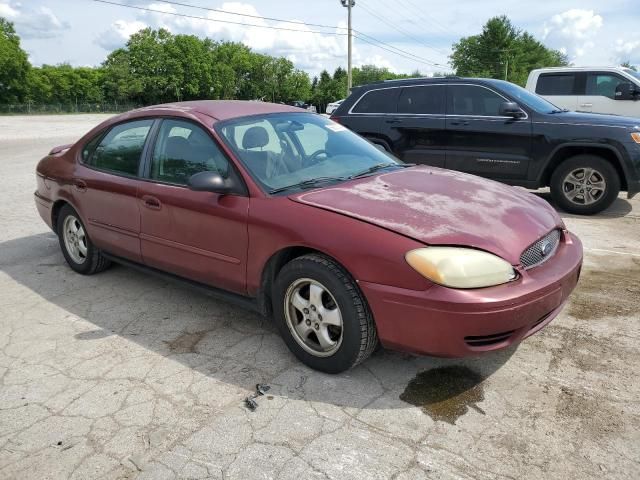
121,375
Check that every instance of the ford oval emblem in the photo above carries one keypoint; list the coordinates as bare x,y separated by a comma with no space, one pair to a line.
545,249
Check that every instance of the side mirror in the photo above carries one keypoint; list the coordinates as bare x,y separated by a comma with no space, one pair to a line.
211,182
511,109
626,91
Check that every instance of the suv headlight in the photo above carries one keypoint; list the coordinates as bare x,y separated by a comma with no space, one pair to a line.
460,267
636,137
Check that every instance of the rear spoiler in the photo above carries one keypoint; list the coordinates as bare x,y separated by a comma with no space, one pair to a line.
60,148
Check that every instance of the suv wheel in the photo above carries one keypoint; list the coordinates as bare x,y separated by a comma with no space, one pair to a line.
585,184
80,253
322,315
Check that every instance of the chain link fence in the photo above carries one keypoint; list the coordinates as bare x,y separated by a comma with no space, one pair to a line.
40,109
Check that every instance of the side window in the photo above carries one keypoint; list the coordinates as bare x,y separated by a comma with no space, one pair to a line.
378,101
473,100
556,84
424,100
603,84
119,150
183,149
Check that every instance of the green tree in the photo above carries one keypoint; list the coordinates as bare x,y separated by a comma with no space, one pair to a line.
14,65
628,65
502,51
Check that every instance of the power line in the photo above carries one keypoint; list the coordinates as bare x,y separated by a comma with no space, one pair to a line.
398,51
423,16
432,64
175,14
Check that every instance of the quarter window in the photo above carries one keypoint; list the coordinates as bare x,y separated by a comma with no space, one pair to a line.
556,84
473,100
422,100
120,149
378,101
183,149
603,84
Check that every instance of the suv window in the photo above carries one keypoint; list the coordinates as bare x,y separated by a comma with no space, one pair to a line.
473,100
183,149
377,101
556,84
425,99
603,84
119,150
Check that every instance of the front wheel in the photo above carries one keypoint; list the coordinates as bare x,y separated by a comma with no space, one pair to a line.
585,184
322,315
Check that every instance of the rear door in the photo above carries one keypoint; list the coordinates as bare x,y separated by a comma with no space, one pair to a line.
420,126
479,140
561,89
197,235
106,182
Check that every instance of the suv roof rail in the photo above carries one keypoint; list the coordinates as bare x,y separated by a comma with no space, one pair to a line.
409,79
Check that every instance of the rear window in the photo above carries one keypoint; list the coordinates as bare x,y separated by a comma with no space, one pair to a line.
556,84
428,99
378,101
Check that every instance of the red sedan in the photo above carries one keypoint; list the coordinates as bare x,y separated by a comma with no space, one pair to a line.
292,214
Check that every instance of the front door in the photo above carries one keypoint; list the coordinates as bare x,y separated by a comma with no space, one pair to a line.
106,181
600,94
198,235
482,142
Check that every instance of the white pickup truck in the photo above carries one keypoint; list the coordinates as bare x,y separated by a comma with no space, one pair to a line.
612,90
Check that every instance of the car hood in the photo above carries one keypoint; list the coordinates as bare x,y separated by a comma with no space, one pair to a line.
579,118
443,207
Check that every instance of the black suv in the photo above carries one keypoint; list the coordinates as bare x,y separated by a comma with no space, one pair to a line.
499,130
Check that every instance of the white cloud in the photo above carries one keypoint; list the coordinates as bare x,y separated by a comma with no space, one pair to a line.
309,51
39,22
572,32
627,51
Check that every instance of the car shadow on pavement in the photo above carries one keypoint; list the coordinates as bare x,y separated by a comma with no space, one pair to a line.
619,208
187,334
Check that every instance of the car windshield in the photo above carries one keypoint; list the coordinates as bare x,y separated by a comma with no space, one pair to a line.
297,150
633,73
531,100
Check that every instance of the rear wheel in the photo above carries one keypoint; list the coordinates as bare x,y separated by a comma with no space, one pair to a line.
80,253
322,315
585,184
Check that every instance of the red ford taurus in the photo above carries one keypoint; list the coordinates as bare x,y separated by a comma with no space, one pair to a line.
292,214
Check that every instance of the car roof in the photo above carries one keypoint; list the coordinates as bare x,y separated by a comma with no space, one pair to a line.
221,109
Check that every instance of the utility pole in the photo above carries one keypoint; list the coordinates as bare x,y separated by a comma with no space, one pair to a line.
349,4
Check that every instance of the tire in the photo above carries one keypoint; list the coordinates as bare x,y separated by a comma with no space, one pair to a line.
77,248
568,181
340,300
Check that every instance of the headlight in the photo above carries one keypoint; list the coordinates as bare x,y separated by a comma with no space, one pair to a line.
636,137
460,267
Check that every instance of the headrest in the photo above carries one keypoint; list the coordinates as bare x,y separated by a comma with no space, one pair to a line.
255,137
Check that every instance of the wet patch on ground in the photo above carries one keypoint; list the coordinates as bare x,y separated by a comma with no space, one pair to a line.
607,292
445,393
186,343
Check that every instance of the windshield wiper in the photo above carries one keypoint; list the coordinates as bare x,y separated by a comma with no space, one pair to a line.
311,182
380,166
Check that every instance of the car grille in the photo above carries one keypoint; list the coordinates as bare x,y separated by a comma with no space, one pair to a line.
541,251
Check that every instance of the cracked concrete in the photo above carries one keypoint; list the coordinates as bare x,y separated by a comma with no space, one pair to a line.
123,376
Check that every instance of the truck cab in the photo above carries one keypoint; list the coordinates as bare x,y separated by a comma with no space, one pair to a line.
609,90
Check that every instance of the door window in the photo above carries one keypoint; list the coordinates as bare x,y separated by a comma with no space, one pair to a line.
422,100
120,149
603,84
556,84
183,149
378,101
473,100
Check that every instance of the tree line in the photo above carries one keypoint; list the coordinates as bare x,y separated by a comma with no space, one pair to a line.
156,66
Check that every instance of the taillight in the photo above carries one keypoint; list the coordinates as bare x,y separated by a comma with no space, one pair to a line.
334,118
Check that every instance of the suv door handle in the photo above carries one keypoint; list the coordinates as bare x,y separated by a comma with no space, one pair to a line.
80,185
463,123
393,120
151,202
586,104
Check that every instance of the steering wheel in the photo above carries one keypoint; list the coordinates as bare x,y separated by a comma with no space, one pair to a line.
313,158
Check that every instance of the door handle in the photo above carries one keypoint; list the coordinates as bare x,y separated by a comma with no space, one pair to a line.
586,104
463,123
151,202
393,120
80,185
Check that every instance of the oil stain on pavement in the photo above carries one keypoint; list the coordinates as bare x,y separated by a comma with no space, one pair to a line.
445,393
186,343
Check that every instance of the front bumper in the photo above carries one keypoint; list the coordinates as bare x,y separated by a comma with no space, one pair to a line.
449,322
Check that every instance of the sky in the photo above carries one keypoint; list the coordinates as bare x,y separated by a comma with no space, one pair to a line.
417,34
